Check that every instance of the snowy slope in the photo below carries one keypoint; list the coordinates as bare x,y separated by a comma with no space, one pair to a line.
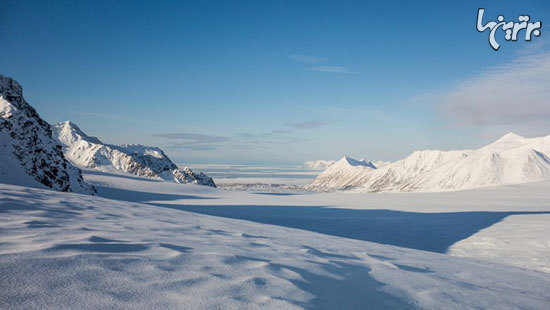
28,153
516,219
511,159
60,250
90,152
342,174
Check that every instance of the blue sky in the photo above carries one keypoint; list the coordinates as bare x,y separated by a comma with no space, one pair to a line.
274,81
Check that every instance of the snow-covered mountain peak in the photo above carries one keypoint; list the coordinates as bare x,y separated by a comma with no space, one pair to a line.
342,174
68,132
511,159
508,140
510,137
136,159
28,153
11,90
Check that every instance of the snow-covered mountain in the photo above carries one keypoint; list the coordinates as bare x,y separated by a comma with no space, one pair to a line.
28,153
342,174
322,164
140,160
511,159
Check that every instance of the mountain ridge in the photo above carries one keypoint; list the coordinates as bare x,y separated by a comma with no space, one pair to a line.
511,159
87,151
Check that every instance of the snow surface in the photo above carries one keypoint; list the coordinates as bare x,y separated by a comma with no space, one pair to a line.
102,253
511,159
259,177
441,222
158,246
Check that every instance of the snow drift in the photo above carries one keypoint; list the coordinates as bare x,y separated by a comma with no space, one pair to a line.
511,159
28,153
140,160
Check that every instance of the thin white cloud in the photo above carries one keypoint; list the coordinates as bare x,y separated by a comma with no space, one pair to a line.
514,96
308,124
192,137
192,141
331,69
307,58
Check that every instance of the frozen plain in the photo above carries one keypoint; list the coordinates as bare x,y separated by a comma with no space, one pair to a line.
151,244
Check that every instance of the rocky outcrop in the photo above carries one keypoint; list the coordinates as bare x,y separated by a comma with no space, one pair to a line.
27,140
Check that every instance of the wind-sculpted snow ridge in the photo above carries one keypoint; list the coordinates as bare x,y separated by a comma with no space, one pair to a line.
511,159
140,160
28,153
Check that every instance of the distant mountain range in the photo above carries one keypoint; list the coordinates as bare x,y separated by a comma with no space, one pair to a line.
32,152
140,160
511,159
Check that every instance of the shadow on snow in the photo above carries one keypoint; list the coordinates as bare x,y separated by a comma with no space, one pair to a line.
434,232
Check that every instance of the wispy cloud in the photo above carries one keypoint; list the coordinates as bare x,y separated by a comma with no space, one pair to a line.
314,59
515,96
281,131
308,124
307,58
192,141
193,137
187,146
331,69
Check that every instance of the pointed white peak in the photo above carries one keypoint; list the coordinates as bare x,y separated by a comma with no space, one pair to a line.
68,132
510,137
506,142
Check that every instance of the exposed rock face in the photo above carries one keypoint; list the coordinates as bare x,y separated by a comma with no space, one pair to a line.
190,177
26,139
140,160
